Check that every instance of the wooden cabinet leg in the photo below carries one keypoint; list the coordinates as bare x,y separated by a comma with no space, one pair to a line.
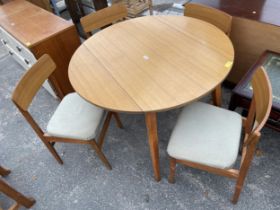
15,195
151,123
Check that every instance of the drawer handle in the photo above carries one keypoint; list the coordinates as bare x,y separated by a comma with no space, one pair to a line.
26,61
11,53
19,48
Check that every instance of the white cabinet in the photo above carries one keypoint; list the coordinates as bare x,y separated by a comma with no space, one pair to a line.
21,54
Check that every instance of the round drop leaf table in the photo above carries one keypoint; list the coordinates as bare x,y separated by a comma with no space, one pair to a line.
151,64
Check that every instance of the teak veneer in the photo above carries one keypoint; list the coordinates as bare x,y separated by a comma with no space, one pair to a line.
151,64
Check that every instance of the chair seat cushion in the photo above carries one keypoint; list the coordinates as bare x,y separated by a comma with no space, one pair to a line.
75,118
207,135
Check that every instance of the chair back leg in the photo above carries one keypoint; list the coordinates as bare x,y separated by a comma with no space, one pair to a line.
171,178
40,134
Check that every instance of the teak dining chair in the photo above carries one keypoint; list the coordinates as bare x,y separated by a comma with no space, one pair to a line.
103,17
74,121
5,188
213,143
217,18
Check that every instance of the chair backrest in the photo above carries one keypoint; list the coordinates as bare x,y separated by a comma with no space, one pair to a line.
103,17
211,15
262,100
31,81
258,114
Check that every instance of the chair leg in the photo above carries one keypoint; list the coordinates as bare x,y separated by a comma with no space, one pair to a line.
15,195
15,206
104,129
171,178
4,171
245,164
101,155
238,188
217,96
118,120
53,151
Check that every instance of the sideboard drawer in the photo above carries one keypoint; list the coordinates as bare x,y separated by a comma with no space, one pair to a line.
16,56
21,54
21,50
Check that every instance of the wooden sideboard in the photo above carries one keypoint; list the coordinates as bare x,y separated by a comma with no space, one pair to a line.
31,31
255,28
45,4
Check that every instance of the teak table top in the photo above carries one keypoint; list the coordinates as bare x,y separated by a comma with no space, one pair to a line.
151,63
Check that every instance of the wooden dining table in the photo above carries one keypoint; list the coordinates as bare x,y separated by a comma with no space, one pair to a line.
149,65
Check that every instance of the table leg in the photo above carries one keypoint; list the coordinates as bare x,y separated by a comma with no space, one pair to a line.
151,123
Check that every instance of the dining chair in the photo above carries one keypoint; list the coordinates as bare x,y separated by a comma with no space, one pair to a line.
217,18
74,121
207,137
5,188
103,17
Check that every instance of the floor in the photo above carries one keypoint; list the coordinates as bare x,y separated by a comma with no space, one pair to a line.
84,183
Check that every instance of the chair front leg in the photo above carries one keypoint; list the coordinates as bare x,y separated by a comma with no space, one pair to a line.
171,178
101,155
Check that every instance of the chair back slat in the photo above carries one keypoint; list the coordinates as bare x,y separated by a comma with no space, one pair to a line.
211,15
103,17
32,80
262,97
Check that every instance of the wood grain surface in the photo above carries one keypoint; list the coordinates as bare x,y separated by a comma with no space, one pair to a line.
152,63
29,23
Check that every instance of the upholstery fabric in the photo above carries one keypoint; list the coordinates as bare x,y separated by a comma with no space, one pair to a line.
75,118
207,135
